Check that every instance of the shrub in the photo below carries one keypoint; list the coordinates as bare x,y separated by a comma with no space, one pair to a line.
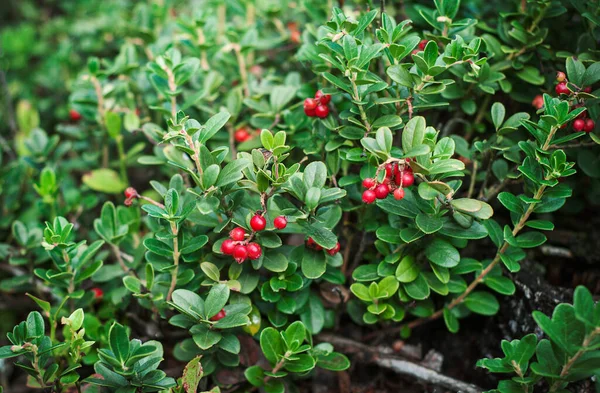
249,173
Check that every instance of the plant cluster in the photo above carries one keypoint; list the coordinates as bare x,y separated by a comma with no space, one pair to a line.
251,173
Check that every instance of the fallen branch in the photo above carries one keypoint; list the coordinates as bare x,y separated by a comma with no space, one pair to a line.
384,357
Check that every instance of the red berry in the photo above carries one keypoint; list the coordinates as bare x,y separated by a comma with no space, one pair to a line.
237,234
579,124
130,192
538,102
240,253
258,223
322,98
218,316
408,179
310,112
312,244
369,182
227,247
382,191
98,293
254,251
241,135
587,89
423,44
369,196
334,250
562,88
389,170
414,52
399,194
280,222
322,111
589,125
74,115
310,103
560,76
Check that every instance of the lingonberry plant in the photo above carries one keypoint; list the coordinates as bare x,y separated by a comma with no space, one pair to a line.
220,185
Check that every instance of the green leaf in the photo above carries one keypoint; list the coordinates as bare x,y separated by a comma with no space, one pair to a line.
564,328
301,364
112,121
451,321
216,299
271,345
213,125
119,342
313,315
483,303
313,264
407,270
442,253
531,75
204,337
418,289
35,325
414,133
192,374
428,224
315,175
104,180
232,172
333,361
498,113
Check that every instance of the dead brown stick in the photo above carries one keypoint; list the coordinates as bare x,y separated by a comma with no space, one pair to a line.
384,358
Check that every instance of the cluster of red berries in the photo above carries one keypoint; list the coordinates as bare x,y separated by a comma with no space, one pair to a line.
311,243
422,45
317,106
218,316
581,123
130,194
561,87
240,248
395,179
242,135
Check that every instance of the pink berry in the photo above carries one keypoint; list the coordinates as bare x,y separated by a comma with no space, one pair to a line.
579,125
369,196
399,194
369,182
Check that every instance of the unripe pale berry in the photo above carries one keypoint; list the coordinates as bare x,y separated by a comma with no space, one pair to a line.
408,179
560,76
589,125
258,223
382,191
254,251
130,192
538,102
562,88
280,222
579,124
218,316
322,111
334,250
237,234
369,182
369,196
227,247
399,194
322,98
240,253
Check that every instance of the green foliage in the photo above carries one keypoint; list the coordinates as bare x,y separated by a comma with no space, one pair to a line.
569,354
201,110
